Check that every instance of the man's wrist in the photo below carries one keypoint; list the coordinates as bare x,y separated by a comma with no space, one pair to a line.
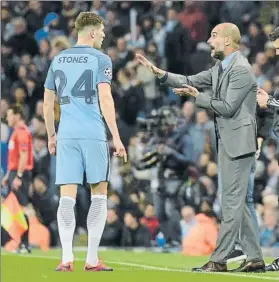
19,175
164,77
162,74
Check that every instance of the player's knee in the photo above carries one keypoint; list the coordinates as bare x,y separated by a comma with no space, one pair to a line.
100,188
69,190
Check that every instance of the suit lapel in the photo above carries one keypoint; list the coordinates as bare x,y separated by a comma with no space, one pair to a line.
225,72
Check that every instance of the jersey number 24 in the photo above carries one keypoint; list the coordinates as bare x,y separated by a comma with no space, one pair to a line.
83,88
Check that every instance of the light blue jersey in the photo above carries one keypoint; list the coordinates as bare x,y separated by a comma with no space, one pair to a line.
82,143
74,74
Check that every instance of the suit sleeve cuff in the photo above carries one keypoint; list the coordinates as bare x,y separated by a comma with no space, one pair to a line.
163,78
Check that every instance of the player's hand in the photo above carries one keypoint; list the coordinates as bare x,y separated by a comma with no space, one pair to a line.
16,183
119,149
142,60
52,145
5,180
262,98
187,90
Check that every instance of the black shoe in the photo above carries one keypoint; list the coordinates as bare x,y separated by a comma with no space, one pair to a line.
211,267
236,255
251,266
274,266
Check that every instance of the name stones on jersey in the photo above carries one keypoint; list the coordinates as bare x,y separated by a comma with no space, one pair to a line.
108,73
73,59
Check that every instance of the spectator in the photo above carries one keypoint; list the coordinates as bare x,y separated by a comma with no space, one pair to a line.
6,26
201,59
203,128
4,109
124,55
150,221
149,86
113,230
98,8
195,20
45,205
139,42
37,126
257,40
41,60
134,234
39,109
159,35
21,42
188,221
188,112
239,13
270,230
41,157
20,96
260,77
178,44
35,16
131,98
202,238
192,192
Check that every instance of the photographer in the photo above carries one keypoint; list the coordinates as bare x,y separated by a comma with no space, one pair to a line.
169,148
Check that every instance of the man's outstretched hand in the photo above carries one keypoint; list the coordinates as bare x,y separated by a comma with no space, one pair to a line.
187,90
142,60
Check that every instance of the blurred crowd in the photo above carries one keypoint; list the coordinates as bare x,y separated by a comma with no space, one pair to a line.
173,35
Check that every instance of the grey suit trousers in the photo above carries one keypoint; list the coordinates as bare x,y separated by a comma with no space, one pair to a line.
235,212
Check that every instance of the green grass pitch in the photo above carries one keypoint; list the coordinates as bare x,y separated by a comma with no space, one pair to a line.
128,266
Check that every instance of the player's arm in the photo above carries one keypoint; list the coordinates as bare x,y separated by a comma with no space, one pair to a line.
107,108
107,104
49,100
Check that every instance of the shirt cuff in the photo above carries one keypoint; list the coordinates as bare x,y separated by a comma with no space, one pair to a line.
164,77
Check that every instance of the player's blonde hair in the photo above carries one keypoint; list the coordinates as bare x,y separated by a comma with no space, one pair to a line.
86,19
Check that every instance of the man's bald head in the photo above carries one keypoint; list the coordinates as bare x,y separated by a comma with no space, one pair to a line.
224,40
229,29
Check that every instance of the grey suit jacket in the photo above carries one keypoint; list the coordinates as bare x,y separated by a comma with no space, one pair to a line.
233,102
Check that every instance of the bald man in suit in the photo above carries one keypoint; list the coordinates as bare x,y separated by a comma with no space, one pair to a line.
233,103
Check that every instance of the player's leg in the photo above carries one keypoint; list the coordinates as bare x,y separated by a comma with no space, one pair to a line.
69,173
96,221
97,165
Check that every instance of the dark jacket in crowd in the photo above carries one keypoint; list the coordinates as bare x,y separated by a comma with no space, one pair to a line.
22,44
112,234
178,45
140,237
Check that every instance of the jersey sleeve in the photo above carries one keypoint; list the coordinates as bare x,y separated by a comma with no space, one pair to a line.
23,140
105,70
50,81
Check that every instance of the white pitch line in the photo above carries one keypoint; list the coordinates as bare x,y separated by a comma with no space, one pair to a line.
149,267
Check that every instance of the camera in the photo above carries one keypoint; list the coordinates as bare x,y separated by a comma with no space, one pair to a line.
157,127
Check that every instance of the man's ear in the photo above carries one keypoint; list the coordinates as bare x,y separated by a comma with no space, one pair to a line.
92,33
228,41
